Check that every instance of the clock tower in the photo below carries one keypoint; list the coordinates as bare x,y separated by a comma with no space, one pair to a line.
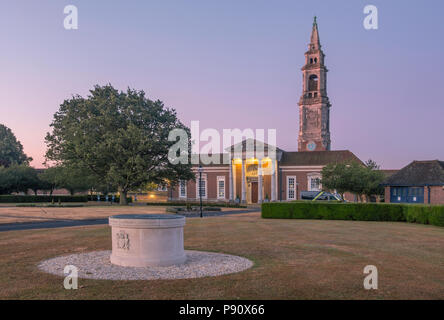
314,105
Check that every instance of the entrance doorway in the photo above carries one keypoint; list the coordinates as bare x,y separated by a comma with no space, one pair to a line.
254,188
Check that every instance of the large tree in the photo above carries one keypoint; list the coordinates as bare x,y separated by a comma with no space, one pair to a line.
121,137
11,150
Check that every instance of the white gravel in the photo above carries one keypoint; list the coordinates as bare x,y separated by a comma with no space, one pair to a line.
96,265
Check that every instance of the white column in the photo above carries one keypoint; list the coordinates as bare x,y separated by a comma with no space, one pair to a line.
259,183
273,179
231,197
244,187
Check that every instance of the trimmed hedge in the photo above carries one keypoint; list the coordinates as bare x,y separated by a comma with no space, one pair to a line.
204,204
41,198
424,214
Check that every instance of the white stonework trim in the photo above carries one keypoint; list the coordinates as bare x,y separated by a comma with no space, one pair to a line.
221,178
213,168
288,187
302,167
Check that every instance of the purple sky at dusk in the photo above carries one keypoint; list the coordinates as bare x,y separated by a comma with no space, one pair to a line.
235,64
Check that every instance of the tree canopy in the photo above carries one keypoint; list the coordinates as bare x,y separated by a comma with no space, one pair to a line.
353,177
120,137
11,150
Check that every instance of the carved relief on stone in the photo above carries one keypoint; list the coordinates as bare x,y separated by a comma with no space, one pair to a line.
312,118
123,241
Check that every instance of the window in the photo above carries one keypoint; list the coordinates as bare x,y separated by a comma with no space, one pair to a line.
221,187
203,186
314,182
291,188
313,83
182,189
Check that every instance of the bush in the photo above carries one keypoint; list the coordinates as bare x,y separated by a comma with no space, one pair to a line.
42,198
424,214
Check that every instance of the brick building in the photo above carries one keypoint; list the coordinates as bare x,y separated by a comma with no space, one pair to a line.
253,178
418,182
267,172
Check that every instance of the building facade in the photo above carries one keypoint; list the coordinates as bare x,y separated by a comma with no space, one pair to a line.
418,182
266,173
258,176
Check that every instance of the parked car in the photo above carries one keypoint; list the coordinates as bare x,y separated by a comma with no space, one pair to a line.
320,195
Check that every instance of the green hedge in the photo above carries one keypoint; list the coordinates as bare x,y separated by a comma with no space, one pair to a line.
45,198
194,203
424,214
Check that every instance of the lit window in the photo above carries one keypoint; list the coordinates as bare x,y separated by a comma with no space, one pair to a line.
291,188
221,187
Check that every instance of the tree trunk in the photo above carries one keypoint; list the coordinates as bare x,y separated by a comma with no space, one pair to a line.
123,194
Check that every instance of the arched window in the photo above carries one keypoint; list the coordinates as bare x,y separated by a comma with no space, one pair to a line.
311,60
316,60
313,83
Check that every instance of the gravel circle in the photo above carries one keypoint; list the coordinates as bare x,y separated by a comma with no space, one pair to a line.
97,265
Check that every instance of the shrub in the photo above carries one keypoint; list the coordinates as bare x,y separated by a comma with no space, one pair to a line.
41,198
424,214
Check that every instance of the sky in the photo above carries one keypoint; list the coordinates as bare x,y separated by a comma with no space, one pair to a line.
234,64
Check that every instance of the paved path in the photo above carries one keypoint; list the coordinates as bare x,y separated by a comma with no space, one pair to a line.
90,222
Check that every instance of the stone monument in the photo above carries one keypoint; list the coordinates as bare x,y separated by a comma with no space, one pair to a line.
147,240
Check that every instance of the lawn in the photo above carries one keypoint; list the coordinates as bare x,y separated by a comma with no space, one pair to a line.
38,214
294,259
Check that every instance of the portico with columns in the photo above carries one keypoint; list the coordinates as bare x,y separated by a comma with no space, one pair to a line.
253,172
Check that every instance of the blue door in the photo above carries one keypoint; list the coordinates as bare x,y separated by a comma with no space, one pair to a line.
407,194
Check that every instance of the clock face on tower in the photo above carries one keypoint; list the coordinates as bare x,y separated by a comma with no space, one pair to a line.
311,146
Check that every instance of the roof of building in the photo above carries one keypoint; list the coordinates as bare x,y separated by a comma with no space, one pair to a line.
253,145
317,158
388,172
419,173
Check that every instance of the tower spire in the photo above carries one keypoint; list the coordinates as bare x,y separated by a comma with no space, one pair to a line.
315,36
314,105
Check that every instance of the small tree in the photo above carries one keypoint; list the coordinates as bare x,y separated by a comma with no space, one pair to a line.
353,177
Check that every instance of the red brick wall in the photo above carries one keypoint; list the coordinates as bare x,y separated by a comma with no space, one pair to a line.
387,195
436,195
211,187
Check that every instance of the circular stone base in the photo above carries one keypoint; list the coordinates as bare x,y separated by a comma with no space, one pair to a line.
97,265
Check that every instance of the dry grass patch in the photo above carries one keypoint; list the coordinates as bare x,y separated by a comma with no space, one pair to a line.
294,259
